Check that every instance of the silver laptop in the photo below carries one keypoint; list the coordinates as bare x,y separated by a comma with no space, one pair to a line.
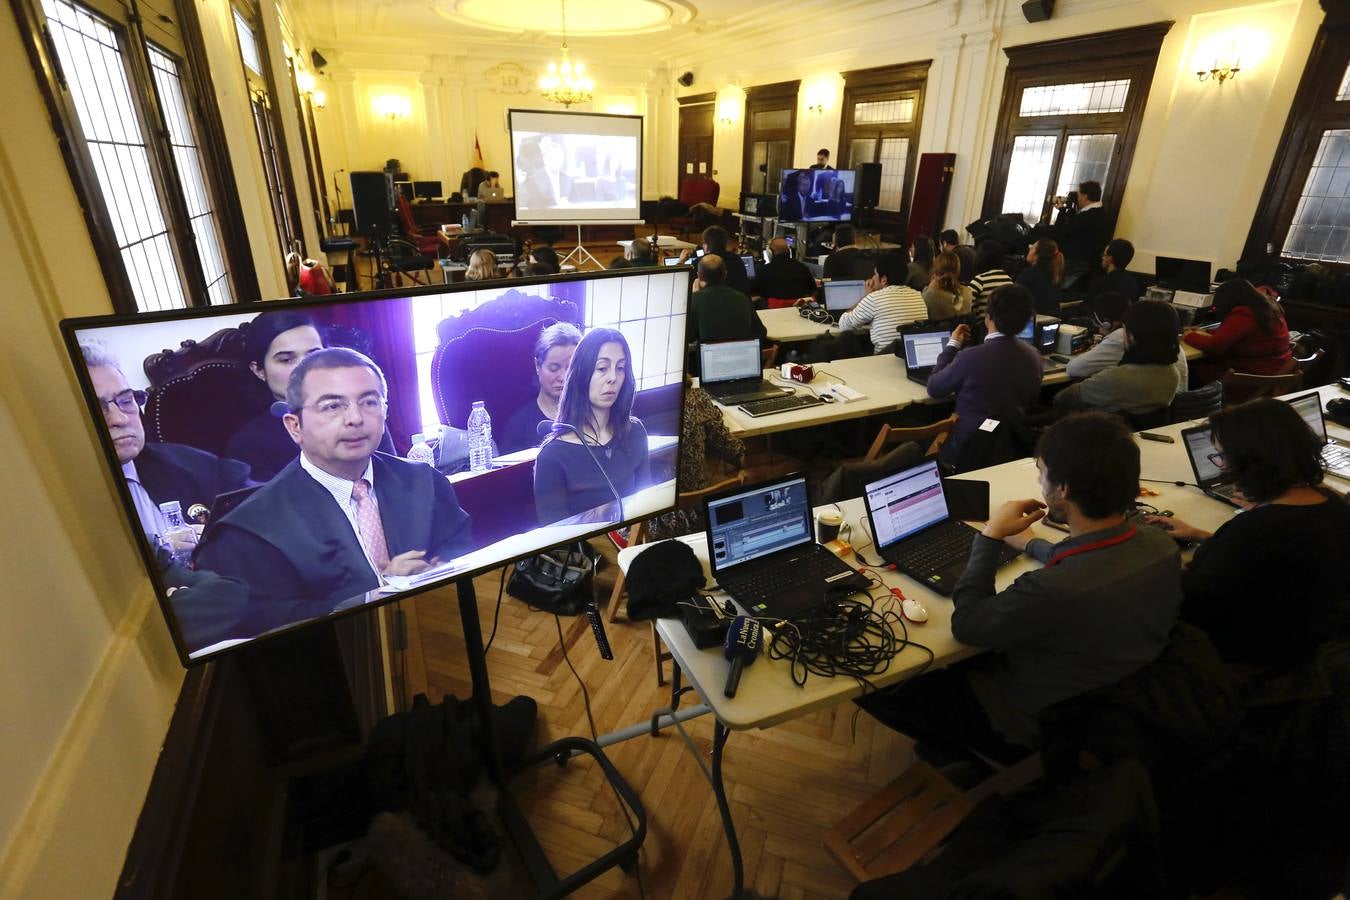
492,194
1335,453
1205,458
731,372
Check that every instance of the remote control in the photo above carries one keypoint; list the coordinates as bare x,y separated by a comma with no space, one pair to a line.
598,629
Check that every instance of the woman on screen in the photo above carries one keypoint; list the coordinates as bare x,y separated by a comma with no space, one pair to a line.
597,400
552,358
274,344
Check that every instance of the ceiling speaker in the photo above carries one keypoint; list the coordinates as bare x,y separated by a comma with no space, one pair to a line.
686,79
317,58
1038,10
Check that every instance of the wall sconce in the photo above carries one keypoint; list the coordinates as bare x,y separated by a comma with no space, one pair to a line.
1220,71
319,99
304,81
728,108
393,107
818,108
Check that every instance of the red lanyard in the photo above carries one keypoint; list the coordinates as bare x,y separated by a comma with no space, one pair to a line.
1095,545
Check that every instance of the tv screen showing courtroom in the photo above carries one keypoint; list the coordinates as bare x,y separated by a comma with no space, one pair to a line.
281,463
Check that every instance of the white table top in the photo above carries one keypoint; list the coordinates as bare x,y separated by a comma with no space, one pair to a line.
767,694
665,242
786,324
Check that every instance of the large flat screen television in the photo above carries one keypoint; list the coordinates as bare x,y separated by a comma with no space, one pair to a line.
575,167
816,195
282,463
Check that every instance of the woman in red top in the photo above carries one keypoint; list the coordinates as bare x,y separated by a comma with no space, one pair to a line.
1252,337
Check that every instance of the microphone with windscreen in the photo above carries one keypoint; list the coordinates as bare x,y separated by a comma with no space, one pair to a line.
741,646
545,427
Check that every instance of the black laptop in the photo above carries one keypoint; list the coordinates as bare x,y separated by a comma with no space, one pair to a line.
921,352
914,531
1205,458
731,372
763,553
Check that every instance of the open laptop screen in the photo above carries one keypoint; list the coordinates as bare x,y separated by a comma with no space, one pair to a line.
905,503
1309,408
843,295
729,361
1199,446
922,349
1028,334
749,261
750,524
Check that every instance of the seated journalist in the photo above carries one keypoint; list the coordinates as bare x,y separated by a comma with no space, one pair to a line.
342,515
1100,607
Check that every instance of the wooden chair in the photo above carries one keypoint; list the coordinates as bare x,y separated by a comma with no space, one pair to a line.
684,500
933,436
1239,387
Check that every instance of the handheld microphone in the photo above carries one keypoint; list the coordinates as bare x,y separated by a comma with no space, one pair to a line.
741,646
543,429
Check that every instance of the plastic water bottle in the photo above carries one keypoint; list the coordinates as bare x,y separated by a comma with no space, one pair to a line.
480,438
421,451
179,537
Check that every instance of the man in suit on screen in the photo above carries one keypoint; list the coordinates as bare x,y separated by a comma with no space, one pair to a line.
342,516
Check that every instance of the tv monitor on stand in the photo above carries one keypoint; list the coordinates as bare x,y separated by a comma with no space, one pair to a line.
816,195
427,190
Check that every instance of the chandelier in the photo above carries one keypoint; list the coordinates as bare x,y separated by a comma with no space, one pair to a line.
566,84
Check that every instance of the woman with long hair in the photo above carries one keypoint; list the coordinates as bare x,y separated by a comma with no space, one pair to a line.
945,296
595,410
1252,336
1269,585
920,262
1146,379
1042,277
552,357
482,266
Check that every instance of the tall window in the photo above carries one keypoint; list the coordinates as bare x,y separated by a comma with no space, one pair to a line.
880,124
121,94
267,127
770,125
1070,113
1304,214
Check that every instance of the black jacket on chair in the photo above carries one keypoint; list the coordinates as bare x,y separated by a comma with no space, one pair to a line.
188,475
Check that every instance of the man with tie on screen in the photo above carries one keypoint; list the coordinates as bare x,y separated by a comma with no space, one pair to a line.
334,521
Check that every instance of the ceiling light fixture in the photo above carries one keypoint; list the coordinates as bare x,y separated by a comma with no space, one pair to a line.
566,84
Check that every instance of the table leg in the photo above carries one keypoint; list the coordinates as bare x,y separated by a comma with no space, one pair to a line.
720,734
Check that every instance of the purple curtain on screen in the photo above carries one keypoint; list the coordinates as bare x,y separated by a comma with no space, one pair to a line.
390,327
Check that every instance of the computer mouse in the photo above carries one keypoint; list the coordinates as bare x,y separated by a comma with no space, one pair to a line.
913,610
828,398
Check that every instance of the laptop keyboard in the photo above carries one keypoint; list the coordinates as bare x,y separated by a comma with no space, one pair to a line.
937,549
1335,456
780,404
767,581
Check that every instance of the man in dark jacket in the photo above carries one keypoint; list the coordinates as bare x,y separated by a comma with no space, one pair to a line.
1101,607
718,312
715,241
783,277
1115,259
848,262
1081,231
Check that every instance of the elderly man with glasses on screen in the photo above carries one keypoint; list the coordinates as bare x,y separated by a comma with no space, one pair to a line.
333,523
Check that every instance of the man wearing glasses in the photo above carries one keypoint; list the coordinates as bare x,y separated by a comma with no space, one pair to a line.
333,523
155,473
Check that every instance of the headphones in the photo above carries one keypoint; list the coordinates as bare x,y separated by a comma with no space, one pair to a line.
814,312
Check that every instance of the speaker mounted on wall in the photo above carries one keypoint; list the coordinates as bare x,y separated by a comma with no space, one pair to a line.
1038,10
686,79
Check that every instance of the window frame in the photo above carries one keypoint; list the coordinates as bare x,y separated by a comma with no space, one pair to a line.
203,118
895,82
1103,56
1315,110
765,98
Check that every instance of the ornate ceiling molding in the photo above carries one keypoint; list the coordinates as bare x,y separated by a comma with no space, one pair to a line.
585,18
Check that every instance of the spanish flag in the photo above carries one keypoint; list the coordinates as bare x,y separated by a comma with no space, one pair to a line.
477,153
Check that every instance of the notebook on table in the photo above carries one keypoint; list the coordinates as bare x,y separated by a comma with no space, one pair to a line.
1205,458
921,353
731,372
1335,453
914,531
764,555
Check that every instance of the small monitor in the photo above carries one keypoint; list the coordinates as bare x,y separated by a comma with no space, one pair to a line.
843,295
1028,334
749,204
427,190
749,260
816,195
1183,274
405,188
1047,333
906,503
671,261
759,521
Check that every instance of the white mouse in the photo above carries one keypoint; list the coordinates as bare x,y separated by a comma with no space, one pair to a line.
913,610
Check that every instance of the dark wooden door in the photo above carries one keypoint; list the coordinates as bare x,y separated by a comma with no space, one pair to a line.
696,141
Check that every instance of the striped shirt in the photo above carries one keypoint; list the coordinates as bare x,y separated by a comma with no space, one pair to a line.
885,310
983,285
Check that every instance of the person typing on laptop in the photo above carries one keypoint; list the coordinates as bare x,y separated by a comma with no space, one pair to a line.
1270,584
1100,609
719,312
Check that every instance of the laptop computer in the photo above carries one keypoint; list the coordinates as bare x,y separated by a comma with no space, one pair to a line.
763,554
914,531
841,296
921,353
730,371
1209,477
749,260
492,194
1335,453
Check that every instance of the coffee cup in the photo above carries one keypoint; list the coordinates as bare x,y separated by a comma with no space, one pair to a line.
827,525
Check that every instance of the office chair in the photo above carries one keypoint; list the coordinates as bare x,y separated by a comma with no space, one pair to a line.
931,436
1200,403
1239,387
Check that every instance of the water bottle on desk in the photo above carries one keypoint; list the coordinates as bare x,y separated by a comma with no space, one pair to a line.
480,438
421,451
179,538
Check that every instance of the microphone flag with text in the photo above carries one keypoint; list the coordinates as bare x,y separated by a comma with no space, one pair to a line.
741,647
